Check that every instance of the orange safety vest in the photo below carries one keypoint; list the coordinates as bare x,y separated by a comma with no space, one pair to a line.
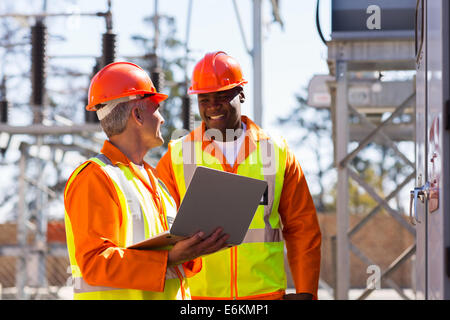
255,268
139,222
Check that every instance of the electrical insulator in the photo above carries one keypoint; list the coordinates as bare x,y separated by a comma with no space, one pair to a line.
186,112
90,116
157,76
108,48
38,64
3,111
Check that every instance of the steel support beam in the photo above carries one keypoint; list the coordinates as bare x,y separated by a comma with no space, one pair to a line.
342,201
394,213
257,52
51,249
370,137
394,132
372,55
22,217
369,262
388,141
40,129
406,254
375,210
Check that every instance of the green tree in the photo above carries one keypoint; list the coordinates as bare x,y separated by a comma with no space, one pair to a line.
312,129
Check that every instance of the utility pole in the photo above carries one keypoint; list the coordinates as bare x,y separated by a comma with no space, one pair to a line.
187,114
156,74
257,52
156,25
257,63
342,201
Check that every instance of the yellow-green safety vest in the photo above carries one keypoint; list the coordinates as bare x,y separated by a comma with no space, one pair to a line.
255,267
136,213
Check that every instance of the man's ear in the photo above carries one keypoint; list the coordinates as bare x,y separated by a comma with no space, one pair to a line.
242,96
136,115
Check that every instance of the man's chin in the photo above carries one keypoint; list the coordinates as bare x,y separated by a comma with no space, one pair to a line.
158,142
216,125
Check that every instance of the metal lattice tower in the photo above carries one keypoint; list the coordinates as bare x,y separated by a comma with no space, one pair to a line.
355,47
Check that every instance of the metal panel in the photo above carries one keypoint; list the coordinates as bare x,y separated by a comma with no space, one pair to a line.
367,95
432,151
434,102
445,143
438,281
421,230
257,58
396,19
372,55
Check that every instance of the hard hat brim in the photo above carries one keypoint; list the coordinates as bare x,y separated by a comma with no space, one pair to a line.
155,97
227,87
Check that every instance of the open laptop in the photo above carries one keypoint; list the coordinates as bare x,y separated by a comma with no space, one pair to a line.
213,199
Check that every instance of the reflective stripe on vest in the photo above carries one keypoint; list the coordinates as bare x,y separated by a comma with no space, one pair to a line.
135,229
81,286
255,267
134,206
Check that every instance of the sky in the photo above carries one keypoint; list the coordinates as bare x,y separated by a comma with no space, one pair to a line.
291,55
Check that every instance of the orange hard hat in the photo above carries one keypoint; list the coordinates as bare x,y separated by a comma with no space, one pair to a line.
118,80
217,71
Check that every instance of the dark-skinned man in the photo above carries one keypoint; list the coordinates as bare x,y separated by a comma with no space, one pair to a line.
229,141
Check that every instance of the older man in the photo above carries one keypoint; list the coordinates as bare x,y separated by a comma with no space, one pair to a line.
115,200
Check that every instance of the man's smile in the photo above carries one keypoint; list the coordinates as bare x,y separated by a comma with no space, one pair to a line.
217,117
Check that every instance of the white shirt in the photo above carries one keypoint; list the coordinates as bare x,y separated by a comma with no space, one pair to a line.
230,149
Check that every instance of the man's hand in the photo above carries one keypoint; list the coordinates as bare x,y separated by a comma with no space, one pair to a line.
196,246
298,296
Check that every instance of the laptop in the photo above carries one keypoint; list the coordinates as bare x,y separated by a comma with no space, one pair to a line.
213,199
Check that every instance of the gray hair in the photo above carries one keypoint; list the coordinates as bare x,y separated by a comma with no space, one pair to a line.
116,121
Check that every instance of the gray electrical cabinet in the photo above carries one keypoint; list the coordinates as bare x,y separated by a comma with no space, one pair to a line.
372,19
430,199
